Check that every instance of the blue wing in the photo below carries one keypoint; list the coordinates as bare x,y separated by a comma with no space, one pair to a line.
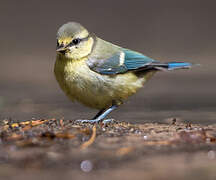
124,61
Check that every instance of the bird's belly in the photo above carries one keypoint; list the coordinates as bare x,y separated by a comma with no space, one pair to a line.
93,89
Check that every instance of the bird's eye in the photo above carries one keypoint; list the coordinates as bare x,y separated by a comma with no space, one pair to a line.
76,41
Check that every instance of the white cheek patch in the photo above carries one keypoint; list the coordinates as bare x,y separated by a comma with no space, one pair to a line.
71,48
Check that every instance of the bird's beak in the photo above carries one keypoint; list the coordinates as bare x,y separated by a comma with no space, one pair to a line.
61,50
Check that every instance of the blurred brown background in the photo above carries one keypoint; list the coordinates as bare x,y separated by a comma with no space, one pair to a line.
166,30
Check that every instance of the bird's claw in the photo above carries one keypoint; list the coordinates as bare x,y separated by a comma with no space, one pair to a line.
105,121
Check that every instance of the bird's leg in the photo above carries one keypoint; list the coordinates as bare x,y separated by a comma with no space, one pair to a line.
98,114
101,115
105,113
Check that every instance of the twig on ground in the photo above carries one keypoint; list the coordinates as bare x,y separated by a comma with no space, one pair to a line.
91,140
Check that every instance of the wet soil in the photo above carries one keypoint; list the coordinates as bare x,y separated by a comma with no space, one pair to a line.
58,148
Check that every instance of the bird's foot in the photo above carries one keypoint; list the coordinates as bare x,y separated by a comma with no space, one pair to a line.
105,121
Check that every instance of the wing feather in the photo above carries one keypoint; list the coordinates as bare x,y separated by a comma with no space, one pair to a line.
123,61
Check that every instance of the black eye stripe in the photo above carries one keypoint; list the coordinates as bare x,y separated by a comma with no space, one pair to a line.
77,41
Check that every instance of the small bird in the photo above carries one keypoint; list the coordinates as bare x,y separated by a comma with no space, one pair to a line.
99,74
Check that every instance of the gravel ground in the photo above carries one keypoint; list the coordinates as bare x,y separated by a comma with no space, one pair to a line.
58,148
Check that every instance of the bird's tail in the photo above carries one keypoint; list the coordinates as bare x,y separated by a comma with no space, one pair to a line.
178,65
172,65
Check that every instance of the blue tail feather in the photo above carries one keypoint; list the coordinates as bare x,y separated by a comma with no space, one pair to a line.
178,65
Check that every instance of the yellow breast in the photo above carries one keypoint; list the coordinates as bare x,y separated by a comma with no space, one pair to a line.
93,89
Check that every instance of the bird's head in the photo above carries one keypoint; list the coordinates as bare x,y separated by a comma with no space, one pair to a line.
74,41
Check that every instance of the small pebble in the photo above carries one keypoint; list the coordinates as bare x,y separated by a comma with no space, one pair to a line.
86,166
132,130
211,155
145,137
208,140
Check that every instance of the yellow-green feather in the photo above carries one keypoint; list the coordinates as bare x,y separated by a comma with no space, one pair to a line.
93,89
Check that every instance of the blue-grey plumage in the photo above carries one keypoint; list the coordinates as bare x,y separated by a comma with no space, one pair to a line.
100,74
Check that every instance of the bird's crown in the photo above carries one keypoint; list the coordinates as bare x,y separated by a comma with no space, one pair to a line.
71,29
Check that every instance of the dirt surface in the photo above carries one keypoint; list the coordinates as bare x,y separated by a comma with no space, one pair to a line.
54,149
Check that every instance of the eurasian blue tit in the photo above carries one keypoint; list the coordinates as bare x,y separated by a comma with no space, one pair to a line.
98,73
